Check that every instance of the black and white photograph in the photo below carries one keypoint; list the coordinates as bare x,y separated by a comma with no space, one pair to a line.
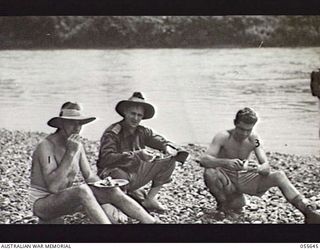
174,120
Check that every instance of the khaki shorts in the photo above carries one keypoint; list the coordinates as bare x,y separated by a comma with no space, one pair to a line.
159,172
246,182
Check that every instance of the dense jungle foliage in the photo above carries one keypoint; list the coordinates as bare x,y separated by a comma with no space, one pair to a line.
40,32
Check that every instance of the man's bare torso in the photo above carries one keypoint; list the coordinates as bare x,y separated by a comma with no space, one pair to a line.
232,149
53,153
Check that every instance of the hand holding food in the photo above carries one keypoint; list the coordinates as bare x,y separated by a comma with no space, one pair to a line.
250,165
148,155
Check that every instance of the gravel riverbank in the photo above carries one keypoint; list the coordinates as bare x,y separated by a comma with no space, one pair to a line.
188,200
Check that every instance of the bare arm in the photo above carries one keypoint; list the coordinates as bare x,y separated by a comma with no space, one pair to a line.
86,171
210,158
264,167
55,174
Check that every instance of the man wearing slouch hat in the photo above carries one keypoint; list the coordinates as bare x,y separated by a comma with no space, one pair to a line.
228,174
123,153
56,162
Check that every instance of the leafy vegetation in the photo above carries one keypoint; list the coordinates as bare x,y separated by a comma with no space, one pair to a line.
157,31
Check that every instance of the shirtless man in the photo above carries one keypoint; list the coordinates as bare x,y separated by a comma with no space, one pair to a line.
55,164
228,177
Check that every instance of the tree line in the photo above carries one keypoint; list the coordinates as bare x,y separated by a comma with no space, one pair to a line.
47,32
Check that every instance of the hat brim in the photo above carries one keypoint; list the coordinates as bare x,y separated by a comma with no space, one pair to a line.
56,121
148,108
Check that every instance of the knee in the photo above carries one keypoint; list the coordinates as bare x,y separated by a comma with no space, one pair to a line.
212,179
279,176
84,193
167,164
210,174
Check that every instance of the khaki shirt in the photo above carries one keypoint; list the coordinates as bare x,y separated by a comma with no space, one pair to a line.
119,148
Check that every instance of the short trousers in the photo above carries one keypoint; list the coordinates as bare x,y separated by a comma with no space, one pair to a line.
246,182
158,171
36,193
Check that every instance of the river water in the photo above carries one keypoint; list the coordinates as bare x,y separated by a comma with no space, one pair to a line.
196,92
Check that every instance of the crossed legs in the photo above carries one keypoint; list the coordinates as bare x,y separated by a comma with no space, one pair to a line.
125,203
159,172
69,201
75,198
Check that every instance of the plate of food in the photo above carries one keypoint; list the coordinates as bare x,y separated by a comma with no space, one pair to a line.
110,183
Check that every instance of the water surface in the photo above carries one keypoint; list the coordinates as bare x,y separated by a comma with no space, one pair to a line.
196,92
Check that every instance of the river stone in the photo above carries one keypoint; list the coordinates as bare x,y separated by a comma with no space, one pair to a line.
186,196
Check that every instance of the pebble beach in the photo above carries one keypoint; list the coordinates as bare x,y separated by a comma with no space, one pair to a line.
187,198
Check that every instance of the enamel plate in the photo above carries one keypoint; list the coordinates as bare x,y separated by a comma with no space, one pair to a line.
110,184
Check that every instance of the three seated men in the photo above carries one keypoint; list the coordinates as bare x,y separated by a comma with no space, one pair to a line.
228,177
55,164
123,154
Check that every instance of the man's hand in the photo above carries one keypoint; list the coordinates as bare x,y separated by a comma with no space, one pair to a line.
171,151
250,165
147,155
73,144
235,164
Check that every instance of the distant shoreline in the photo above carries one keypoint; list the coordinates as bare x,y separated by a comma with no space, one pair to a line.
155,48
158,31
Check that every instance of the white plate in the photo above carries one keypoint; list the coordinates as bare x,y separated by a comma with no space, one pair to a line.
112,184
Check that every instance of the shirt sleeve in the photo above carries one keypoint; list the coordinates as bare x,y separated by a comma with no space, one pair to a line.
155,141
110,157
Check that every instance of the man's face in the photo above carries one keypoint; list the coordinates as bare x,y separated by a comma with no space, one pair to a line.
243,130
71,127
133,116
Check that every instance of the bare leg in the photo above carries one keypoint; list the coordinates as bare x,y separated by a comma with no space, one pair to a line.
125,203
220,187
215,185
69,201
279,179
153,192
151,203
114,214
229,201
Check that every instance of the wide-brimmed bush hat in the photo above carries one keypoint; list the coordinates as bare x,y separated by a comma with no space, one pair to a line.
135,99
70,111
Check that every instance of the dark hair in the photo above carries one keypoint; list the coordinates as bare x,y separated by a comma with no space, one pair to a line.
246,115
70,105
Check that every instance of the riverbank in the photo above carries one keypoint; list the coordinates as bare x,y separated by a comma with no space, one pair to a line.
188,200
58,32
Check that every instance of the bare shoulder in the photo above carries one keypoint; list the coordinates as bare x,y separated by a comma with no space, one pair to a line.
254,138
45,146
221,136
219,139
